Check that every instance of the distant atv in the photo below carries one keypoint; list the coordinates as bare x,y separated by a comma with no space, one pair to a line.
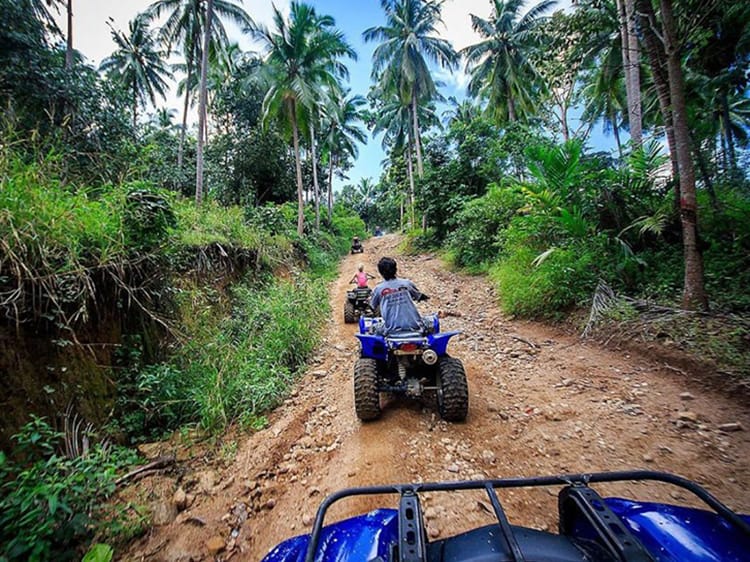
357,304
357,247
410,364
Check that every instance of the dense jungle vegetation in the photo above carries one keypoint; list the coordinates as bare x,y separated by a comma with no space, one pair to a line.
157,276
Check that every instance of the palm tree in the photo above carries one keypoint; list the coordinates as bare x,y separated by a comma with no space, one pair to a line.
461,112
408,42
138,64
500,64
604,92
202,103
302,60
342,134
184,27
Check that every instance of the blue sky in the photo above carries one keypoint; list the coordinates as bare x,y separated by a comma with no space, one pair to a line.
92,37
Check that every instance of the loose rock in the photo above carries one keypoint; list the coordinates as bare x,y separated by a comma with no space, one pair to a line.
728,427
215,544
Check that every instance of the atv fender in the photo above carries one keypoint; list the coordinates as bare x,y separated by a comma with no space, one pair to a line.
365,537
373,346
439,342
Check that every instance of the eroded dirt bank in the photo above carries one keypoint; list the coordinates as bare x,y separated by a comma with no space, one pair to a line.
541,402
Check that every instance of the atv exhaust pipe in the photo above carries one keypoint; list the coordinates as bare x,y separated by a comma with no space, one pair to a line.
429,357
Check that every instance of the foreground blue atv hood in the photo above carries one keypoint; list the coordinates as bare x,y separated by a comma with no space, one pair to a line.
673,533
364,537
669,533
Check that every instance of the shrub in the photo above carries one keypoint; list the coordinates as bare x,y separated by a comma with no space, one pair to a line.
546,285
476,241
50,503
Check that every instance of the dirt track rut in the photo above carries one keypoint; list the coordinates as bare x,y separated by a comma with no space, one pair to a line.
541,402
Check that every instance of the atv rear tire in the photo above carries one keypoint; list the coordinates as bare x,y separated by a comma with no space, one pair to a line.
366,395
350,315
453,391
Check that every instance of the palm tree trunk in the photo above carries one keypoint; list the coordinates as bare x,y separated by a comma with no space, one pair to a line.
410,171
203,94
633,76
655,53
135,105
298,163
616,132
694,293
511,108
728,131
69,46
417,141
181,148
330,187
316,187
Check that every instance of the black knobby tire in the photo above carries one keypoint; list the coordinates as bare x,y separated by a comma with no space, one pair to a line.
350,315
453,392
366,395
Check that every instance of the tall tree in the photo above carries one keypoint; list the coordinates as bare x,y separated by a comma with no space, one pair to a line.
302,60
69,35
694,293
408,41
500,64
631,68
342,134
138,63
202,103
184,27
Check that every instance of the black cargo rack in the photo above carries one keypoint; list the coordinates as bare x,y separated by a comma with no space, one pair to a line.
612,532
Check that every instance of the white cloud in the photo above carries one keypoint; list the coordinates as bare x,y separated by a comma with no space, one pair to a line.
457,19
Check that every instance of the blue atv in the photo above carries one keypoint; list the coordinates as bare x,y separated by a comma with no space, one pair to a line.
590,527
412,364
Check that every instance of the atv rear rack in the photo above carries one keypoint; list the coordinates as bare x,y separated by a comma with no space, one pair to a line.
577,498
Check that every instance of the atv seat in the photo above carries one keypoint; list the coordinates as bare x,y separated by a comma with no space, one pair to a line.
405,336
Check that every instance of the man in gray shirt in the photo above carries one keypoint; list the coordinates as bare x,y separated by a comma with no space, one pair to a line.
396,300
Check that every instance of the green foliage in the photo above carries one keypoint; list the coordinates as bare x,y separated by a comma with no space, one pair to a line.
726,232
49,503
482,220
234,368
546,285
99,553
148,217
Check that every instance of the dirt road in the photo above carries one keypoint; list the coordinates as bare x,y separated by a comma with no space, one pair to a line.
541,402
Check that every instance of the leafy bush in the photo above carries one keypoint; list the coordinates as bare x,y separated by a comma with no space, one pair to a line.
482,219
50,503
546,285
148,217
238,358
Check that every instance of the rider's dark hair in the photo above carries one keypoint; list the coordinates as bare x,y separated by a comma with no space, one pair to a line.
387,268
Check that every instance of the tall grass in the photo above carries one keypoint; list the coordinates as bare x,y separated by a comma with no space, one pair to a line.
243,365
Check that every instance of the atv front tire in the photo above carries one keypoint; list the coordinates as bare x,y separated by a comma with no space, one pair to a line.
453,391
366,395
350,316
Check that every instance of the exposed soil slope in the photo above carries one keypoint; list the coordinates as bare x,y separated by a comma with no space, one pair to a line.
541,402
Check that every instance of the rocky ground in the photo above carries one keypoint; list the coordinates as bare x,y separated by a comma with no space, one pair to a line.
541,402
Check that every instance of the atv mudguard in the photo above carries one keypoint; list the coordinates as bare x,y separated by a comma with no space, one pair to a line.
365,537
673,533
375,346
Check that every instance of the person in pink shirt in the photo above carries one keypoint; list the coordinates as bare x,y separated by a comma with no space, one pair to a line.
361,277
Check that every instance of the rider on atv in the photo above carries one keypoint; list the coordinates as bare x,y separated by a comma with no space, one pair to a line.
361,277
396,297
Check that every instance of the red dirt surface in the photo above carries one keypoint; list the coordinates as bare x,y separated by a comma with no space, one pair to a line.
541,402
